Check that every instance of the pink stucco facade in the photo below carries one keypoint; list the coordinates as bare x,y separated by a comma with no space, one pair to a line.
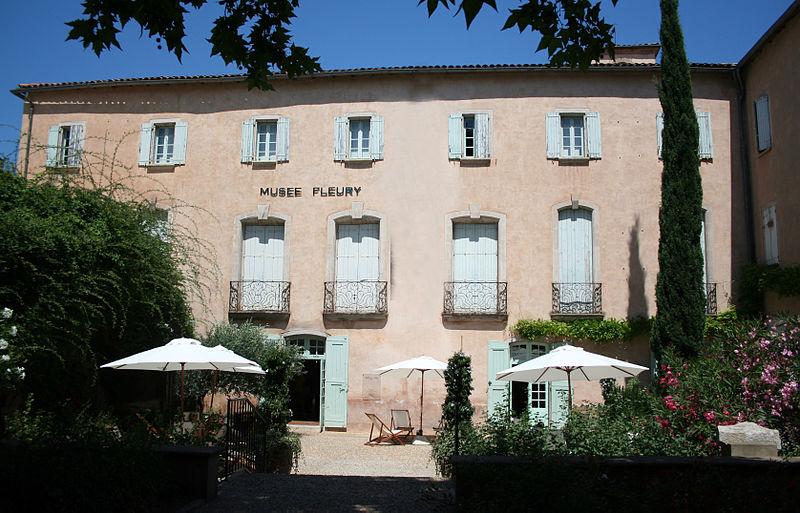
416,193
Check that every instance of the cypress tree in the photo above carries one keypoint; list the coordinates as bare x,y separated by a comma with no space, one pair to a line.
680,297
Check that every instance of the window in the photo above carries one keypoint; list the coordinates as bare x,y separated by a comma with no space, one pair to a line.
65,145
469,136
356,264
763,126
265,140
163,143
262,267
161,227
575,288
475,268
573,135
358,137
260,271
705,148
770,226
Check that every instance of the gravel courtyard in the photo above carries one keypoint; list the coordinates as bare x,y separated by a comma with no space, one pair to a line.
338,473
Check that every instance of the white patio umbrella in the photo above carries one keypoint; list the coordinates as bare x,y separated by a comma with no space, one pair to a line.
407,367
183,354
560,364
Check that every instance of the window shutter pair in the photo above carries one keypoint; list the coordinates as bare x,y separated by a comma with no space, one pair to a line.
146,143
281,139
706,146
763,124
341,137
594,147
54,150
482,136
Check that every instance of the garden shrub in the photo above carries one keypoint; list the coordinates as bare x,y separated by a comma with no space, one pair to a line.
458,382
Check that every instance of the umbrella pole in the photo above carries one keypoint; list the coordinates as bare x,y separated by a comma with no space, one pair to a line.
181,420
569,389
213,389
421,392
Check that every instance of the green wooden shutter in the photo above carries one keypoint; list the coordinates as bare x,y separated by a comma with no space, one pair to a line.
376,137
335,413
763,125
145,139
594,147
340,138
75,145
248,129
52,146
482,135
659,130
273,339
553,134
559,398
706,148
282,140
454,136
497,395
181,131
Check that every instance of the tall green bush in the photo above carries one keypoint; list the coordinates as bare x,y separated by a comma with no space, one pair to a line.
680,295
88,280
458,382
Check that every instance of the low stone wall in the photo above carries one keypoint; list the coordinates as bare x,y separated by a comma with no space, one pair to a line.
652,484
193,470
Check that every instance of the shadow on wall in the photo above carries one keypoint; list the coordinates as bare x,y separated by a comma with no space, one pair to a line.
637,298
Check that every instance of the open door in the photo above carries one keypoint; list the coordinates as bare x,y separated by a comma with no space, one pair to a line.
335,388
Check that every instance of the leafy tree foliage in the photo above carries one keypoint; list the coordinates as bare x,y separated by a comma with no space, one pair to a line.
680,297
254,34
89,280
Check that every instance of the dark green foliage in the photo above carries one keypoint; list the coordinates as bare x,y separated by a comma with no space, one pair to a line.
757,279
458,381
680,296
500,435
254,34
595,330
281,363
88,283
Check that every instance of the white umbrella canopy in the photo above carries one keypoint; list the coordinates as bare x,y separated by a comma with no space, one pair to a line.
182,354
407,367
570,363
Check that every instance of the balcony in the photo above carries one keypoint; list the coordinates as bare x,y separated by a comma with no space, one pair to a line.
355,299
475,300
711,299
577,300
259,298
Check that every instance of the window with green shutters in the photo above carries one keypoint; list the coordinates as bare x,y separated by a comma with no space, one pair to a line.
163,143
705,149
358,137
573,135
65,145
265,139
470,136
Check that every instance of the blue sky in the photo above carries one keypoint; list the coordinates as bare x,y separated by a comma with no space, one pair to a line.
348,34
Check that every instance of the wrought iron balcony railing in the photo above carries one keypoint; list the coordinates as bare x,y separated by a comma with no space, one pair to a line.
475,298
255,296
577,298
711,299
355,297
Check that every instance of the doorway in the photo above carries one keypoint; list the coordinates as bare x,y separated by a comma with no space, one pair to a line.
305,390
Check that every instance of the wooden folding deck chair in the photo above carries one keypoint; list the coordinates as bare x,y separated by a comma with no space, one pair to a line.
401,420
385,433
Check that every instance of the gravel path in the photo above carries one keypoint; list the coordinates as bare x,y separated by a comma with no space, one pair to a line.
338,473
